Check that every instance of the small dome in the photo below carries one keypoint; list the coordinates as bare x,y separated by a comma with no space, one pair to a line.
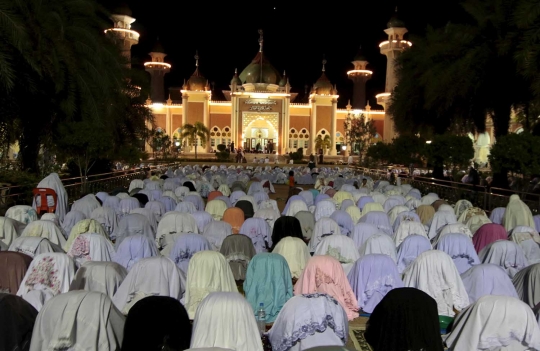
122,9
252,73
395,21
158,47
197,82
235,79
283,81
323,86
360,55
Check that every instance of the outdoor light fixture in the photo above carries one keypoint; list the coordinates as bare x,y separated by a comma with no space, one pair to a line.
177,143
343,147
428,141
157,105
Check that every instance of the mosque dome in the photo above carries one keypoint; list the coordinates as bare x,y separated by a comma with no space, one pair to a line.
235,79
395,21
122,9
323,86
158,47
252,73
197,82
360,55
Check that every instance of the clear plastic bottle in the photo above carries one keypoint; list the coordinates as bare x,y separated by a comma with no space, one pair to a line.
261,319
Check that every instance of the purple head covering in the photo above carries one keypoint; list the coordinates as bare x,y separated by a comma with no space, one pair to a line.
308,197
346,203
409,249
407,216
202,218
321,197
371,277
379,219
390,203
537,222
102,196
415,193
487,279
157,208
260,196
460,248
235,195
344,220
155,194
291,199
497,215
112,202
133,249
361,232
224,199
187,245
195,200
168,202
259,232
363,201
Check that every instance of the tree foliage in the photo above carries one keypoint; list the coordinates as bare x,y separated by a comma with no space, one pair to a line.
194,132
323,143
450,152
60,72
358,132
456,76
517,153
380,152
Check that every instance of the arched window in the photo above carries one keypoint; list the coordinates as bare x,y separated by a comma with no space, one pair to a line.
219,136
298,138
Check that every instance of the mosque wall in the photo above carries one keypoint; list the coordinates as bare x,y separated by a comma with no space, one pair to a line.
379,126
176,121
220,120
195,112
160,121
324,118
299,122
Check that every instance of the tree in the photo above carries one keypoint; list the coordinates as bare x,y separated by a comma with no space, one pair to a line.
451,80
66,69
358,132
380,152
407,149
451,152
323,143
160,141
195,132
516,153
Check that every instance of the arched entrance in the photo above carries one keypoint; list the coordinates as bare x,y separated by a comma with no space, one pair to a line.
260,130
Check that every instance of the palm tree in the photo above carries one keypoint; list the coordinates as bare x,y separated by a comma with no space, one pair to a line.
323,143
194,132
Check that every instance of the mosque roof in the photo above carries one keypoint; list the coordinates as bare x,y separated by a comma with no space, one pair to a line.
158,47
323,86
252,73
395,21
235,79
360,55
283,81
197,82
122,9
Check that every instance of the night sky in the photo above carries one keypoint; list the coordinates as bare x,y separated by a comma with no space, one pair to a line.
296,36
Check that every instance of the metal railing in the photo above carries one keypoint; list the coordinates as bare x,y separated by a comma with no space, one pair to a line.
452,192
75,188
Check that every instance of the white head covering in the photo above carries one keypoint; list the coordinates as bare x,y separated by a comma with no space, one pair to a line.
323,227
435,273
507,254
482,326
10,230
149,277
45,229
226,319
517,213
340,247
379,243
78,320
296,254
208,271
91,247
33,246
52,181
86,205
103,277
407,228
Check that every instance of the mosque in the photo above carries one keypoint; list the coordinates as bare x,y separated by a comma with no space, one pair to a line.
260,108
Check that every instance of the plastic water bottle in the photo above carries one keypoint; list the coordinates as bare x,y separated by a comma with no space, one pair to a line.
261,319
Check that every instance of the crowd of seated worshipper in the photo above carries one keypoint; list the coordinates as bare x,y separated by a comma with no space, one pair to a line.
185,259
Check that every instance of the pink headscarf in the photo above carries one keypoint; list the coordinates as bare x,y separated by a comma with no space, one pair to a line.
487,234
324,274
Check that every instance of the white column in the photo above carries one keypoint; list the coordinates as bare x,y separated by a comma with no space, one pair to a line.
206,120
333,129
287,103
184,118
313,127
233,121
168,123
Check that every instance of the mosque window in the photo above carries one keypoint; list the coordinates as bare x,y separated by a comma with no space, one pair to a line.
298,138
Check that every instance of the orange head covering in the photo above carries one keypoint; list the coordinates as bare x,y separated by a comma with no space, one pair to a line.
235,217
213,194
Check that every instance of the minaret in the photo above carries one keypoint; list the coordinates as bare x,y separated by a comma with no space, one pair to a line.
157,68
359,75
391,48
125,36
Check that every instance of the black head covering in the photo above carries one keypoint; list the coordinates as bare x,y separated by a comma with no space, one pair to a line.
286,226
143,198
189,185
247,207
406,319
164,177
17,318
118,191
155,323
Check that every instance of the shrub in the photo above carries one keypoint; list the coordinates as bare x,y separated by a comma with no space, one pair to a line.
222,147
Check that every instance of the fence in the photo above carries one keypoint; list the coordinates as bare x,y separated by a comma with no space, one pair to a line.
22,195
479,196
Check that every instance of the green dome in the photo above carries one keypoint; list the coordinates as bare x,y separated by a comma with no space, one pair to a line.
395,22
252,73
359,55
323,86
158,47
283,80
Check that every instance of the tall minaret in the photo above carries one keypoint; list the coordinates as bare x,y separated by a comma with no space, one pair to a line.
391,48
125,36
359,75
157,68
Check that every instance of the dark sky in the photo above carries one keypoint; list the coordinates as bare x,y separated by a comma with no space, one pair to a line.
296,35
